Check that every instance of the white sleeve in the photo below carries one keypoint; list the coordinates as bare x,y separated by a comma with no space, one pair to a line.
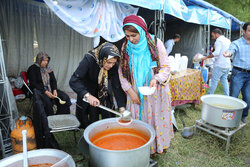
218,47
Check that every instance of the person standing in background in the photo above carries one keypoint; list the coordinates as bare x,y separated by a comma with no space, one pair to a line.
240,78
171,42
221,65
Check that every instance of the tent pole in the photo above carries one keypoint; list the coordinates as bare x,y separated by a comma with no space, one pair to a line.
206,31
208,37
155,31
230,30
162,26
6,109
240,31
159,30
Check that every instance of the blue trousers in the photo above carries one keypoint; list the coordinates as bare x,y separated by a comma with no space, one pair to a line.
219,74
240,81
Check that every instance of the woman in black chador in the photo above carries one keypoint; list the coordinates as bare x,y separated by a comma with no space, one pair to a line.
42,78
96,79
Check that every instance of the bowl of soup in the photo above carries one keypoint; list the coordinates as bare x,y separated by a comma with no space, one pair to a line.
39,158
112,144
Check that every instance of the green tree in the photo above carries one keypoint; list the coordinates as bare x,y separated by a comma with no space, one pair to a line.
238,8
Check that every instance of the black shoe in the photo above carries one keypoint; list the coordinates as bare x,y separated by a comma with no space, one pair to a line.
244,120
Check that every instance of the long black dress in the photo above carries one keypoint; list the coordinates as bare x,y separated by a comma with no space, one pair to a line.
43,107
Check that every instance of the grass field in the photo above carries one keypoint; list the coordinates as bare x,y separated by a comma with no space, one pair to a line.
202,150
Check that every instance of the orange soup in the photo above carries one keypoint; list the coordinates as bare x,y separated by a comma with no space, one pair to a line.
124,121
41,165
119,139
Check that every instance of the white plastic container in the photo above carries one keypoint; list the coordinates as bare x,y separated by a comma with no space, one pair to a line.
177,61
183,63
172,63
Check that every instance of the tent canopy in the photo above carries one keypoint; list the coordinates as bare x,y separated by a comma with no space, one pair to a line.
193,11
235,22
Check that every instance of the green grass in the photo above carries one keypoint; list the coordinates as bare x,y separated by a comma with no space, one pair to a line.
202,150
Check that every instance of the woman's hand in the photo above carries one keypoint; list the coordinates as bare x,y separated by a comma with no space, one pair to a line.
55,93
153,83
134,96
93,101
49,94
122,109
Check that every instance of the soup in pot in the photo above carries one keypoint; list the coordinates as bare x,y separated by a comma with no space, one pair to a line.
120,139
41,165
222,105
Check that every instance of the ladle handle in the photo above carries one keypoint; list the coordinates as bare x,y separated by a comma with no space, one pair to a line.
57,97
25,156
62,162
183,123
105,108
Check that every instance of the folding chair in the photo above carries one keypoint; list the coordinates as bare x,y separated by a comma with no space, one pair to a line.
26,88
26,82
62,122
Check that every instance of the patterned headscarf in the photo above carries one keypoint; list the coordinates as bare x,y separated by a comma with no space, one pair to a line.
151,46
44,70
144,53
101,54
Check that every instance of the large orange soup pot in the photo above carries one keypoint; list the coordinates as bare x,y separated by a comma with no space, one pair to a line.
129,156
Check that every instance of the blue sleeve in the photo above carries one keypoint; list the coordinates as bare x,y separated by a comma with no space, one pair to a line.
233,48
169,48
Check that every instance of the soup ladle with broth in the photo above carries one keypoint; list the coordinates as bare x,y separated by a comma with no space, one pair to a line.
125,116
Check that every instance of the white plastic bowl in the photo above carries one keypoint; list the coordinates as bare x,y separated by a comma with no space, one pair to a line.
145,90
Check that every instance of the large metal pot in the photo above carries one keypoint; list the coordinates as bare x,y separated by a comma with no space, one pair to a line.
221,110
138,157
37,157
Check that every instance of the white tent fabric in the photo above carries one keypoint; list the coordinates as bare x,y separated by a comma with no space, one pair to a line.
17,33
93,18
193,11
153,5
22,22
65,46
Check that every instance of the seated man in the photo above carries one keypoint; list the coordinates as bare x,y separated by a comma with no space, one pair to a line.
41,77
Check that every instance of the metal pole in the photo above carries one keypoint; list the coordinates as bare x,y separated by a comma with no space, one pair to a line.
228,144
155,22
208,37
162,29
8,115
241,31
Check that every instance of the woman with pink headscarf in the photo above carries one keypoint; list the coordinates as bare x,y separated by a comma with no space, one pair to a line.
144,62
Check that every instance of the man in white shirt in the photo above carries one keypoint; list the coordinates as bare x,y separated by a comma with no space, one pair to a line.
171,42
222,64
